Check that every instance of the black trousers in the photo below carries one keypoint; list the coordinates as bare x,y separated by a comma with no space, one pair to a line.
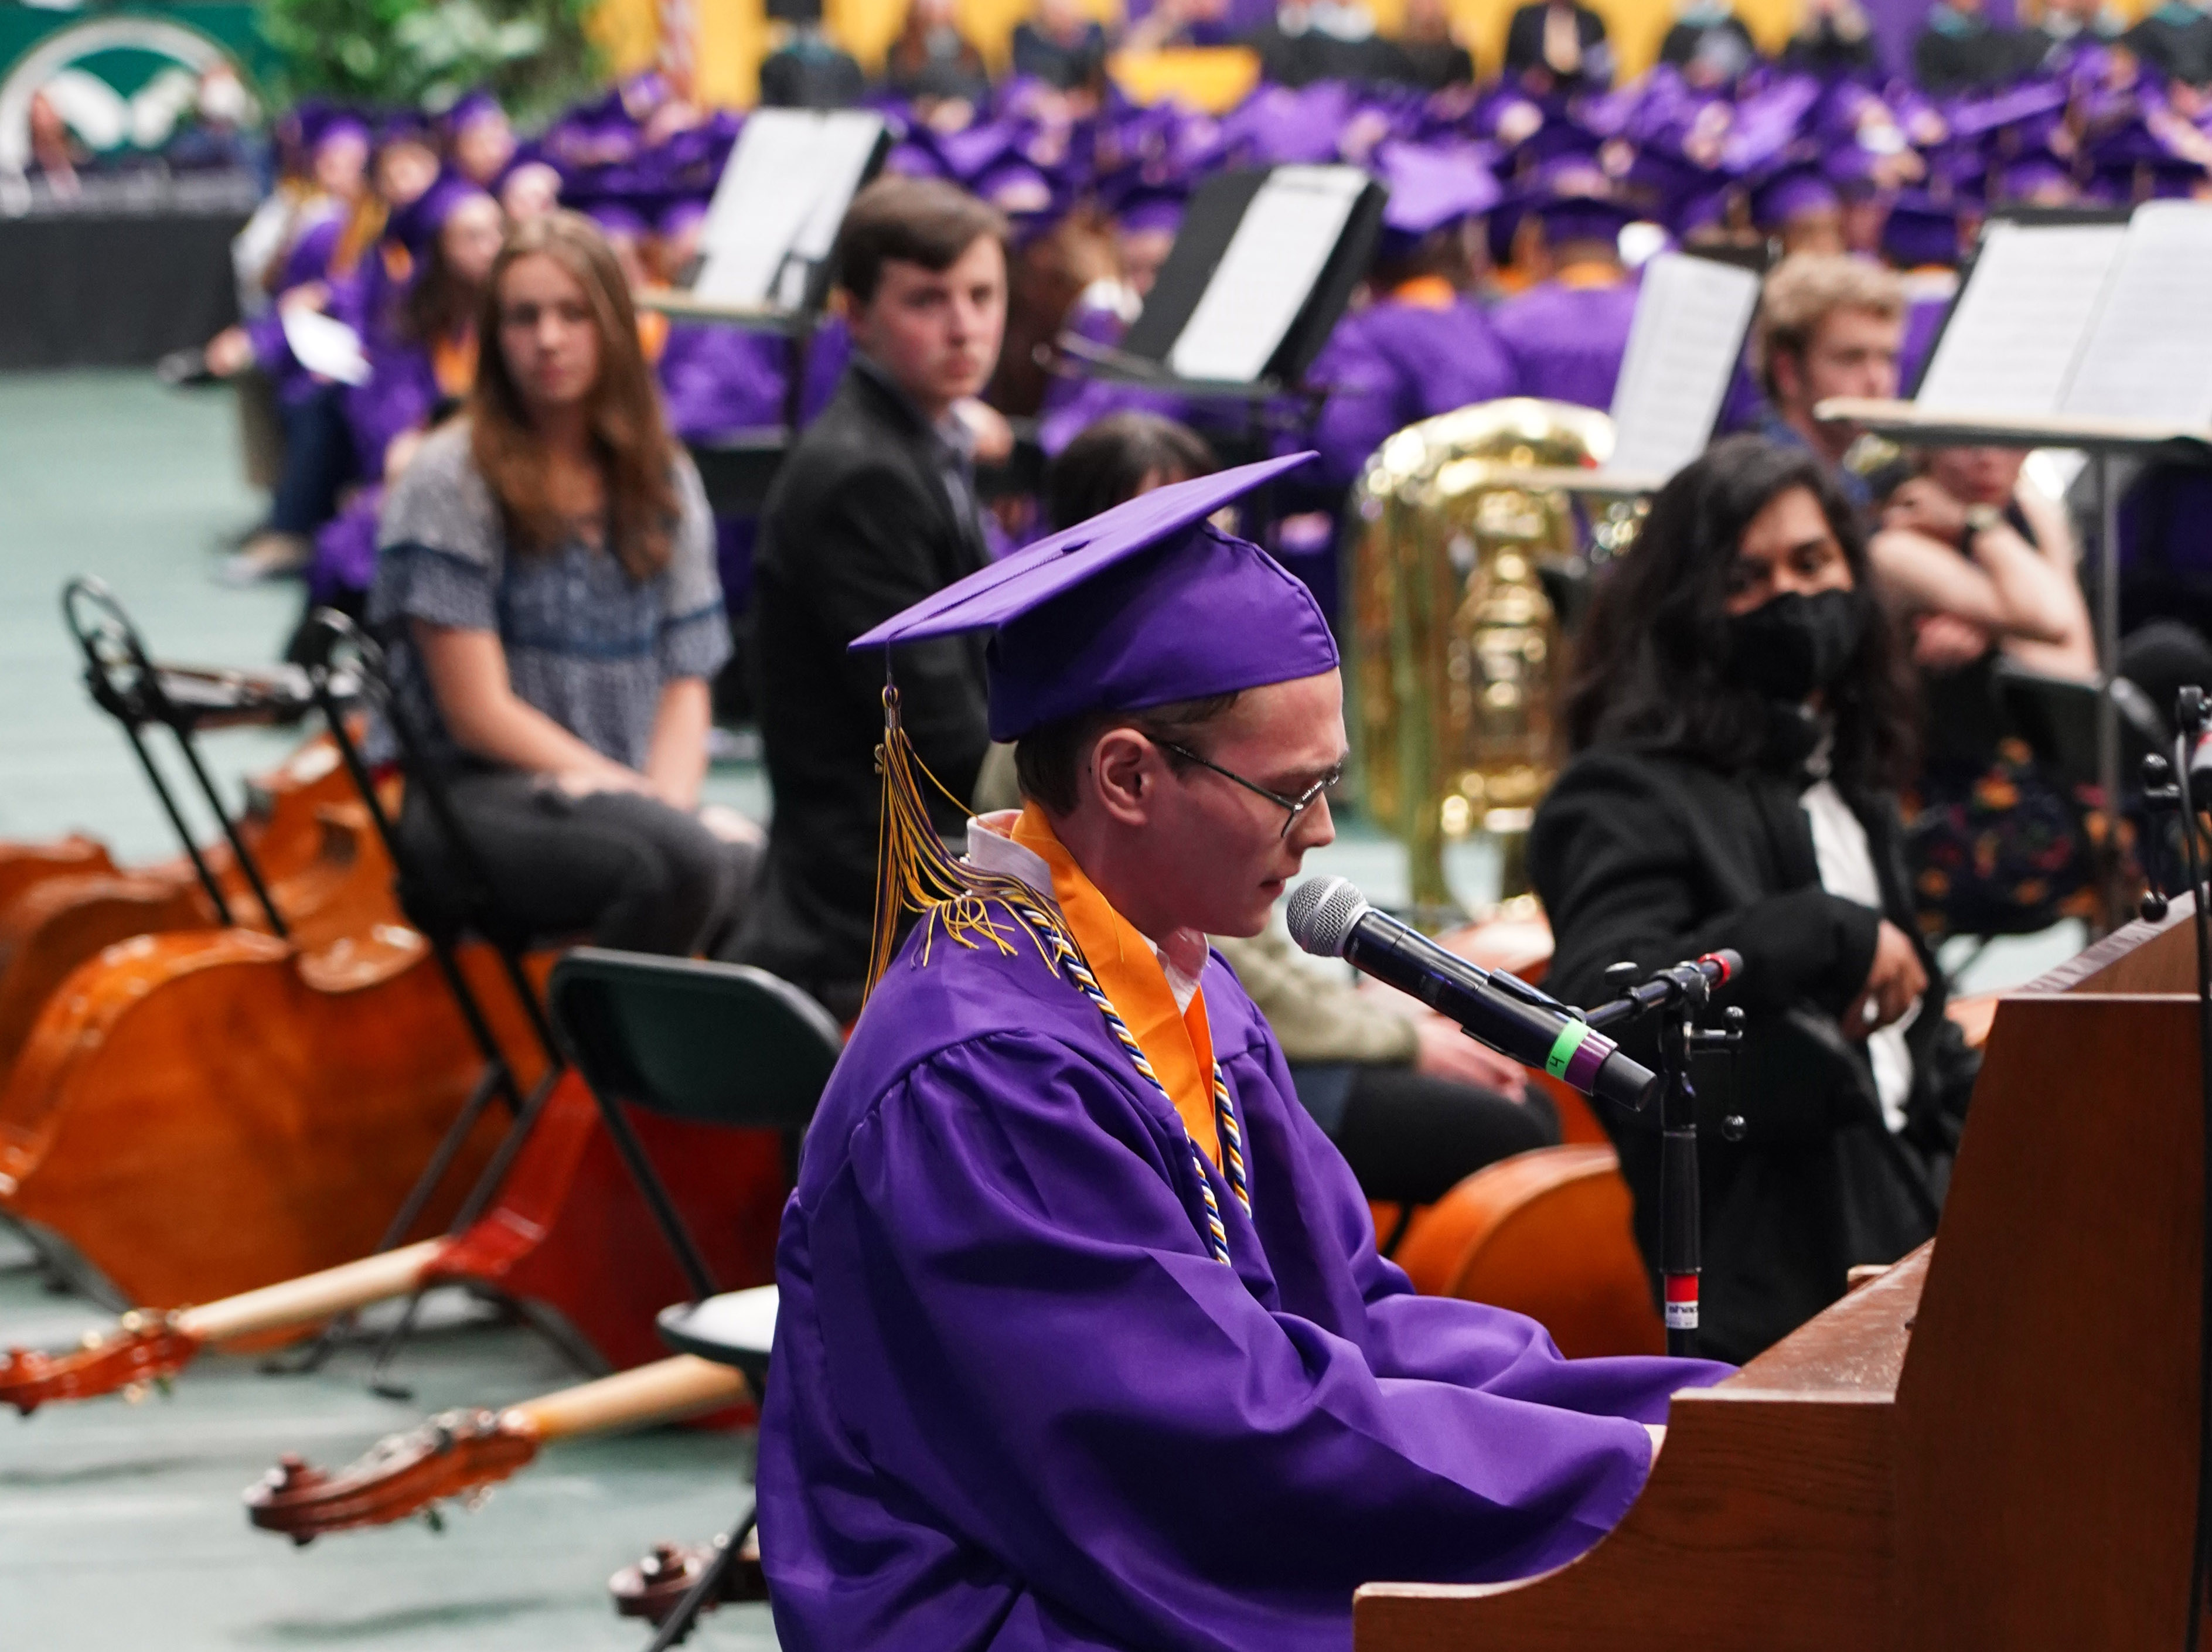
625,869
1411,1138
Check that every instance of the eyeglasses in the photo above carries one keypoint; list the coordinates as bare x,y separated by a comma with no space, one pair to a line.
1293,806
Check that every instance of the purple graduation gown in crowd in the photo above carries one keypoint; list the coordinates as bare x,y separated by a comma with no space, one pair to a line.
1394,363
1569,339
1017,1404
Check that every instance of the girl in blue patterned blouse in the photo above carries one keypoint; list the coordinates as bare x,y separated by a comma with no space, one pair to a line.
545,580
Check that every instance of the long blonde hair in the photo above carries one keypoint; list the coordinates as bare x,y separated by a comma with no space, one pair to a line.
629,434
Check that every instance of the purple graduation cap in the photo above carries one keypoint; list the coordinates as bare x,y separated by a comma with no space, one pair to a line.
1144,604
1921,231
1429,189
416,226
1576,202
1790,193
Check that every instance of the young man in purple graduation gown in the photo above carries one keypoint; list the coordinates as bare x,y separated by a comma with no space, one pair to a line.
1421,346
1570,332
1084,1340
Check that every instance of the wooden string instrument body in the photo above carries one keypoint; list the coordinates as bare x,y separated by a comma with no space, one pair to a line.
569,1239
61,903
1992,1444
199,1112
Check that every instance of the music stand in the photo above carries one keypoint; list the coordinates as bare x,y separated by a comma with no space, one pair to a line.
1262,271
770,233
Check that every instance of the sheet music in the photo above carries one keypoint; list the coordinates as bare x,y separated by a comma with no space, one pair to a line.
784,192
1266,272
325,346
2150,354
2021,325
1683,346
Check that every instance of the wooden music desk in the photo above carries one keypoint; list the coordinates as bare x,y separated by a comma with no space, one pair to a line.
1991,1445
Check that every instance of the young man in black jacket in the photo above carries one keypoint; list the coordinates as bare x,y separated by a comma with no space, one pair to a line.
1735,718
873,510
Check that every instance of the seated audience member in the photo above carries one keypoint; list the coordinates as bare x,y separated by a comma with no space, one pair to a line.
1412,1102
932,59
2174,40
1737,719
1960,50
1420,345
1799,209
479,140
420,343
546,586
1827,325
1708,44
1085,1338
2061,28
1834,38
1557,46
807,70
1979,566
1568,332
1432,55
1062,45
1163,24
873,509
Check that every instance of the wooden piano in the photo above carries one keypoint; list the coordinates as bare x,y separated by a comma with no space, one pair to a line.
1993,1444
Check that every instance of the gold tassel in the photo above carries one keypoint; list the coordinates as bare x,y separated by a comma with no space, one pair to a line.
915,872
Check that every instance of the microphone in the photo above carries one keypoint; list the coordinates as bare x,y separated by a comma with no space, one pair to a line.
1332,919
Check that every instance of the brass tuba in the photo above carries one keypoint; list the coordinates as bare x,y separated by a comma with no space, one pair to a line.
1454,642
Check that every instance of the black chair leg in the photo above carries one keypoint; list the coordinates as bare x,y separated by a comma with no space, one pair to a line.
707,1589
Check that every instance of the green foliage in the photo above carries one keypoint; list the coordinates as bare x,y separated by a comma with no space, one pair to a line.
532,54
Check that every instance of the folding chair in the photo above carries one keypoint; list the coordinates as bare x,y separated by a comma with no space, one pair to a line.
342,662
713,1043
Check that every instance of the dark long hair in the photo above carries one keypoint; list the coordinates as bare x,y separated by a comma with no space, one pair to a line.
1650,664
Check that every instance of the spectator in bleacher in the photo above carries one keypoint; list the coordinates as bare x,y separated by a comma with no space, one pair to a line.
1557,46
1833,37
2060,28
1709,43
2175,40
1434,57
1960,50
1060,44
807,70
933,60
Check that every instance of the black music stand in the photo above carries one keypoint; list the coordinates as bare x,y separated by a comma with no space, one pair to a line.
1206,255
126,683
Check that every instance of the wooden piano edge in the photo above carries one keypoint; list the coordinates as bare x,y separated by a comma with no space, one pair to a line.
1766,1523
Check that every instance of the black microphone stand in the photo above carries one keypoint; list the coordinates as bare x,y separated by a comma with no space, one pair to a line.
1680,995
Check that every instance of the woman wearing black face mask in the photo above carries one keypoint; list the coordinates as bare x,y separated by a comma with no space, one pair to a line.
1736,716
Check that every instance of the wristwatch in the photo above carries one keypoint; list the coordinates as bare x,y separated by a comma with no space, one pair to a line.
1980,519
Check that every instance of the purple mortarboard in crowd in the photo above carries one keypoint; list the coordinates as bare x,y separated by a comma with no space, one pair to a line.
416,226
331,125
618,220
469,108
1144,604
679,216
1278,126
2037,177
1429,189
1920,232
1144,208
1575,202
1795,191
